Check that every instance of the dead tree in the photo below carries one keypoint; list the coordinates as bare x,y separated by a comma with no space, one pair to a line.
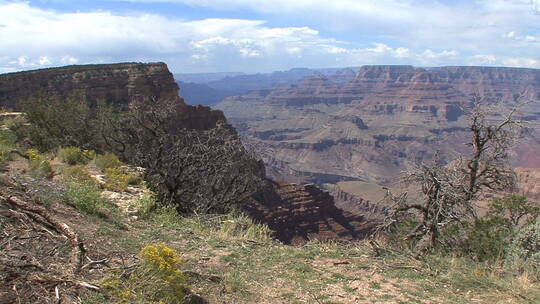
449,191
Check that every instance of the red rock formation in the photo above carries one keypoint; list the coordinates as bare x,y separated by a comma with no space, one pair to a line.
298,213
529,183
357,204
113,82
116,83
382,122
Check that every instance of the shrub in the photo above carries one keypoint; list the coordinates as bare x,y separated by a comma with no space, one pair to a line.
5,156
524,252
17,126
157,280
108,160
488,238
134,179
515,208
54,122
75,156
146,204
7,143
38,165
86,197
116,179
77,173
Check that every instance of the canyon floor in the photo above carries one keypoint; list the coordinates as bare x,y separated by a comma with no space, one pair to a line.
227,265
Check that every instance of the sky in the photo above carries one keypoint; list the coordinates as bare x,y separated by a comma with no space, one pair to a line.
251,36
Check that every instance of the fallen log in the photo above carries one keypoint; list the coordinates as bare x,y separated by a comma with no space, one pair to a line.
77,246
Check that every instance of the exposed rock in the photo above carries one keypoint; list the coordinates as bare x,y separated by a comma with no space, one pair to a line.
361,198
116,83
378,124
298,213
529,182
112,82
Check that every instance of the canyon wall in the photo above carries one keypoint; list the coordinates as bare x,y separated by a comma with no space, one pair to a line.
296,212
383,121
299,213
112,82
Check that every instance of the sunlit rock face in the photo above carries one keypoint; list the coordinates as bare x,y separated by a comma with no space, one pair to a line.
379,123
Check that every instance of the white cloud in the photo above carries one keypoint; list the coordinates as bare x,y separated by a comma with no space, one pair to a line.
483,59
445,53
69,60
522,62
495,32
44,60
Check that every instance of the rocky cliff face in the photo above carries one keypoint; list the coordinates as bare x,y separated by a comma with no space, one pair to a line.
529,183
118,83
358,198
298,213
384,120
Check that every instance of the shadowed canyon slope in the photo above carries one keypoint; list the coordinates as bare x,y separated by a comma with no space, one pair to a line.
381,122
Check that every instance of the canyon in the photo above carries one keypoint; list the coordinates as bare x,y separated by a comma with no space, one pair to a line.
333,141
296,213
384,120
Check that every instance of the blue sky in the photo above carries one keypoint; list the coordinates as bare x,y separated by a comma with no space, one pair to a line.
267,35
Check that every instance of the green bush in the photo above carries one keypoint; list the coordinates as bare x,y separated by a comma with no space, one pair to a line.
134,179
77,173
146,204
7,143
515,208
108,160
60,122
488,238
75,156
86,197
16,126
116,179
38,165
157,280
524,251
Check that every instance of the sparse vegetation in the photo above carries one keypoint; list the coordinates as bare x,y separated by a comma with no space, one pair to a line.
76,173
524,253
107,161
229,257
7,142
86,197
157,280
39,165
75,156
116,179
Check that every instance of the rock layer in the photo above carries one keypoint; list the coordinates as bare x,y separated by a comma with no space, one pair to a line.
378,124
529,183
298,213
112,82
